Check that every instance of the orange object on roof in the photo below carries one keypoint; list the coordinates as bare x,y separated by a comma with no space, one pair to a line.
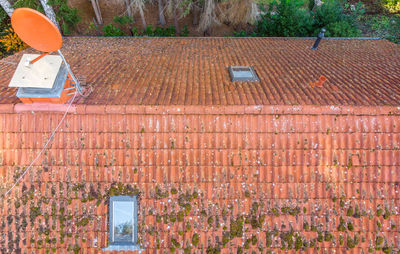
36,30
320,82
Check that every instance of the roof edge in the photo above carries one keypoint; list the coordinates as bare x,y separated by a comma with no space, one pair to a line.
203,110
229,37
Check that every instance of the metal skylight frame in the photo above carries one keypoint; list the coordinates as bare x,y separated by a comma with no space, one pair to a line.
132,200
250,74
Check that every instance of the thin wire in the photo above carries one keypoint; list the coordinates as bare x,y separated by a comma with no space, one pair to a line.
44,148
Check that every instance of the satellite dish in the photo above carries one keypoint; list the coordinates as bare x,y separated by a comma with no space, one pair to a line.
36,30
51,79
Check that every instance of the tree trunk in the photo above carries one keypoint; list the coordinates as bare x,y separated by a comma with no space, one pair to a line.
176,23
6,7
161,13
49,12
97,11
142,17
196,14
128,8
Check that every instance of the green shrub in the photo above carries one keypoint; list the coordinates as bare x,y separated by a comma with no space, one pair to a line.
185,31
66,16
392,6
329,12
135,32
342,29
123,20
290,18
111,31
33,4
286,18
158,31
387,27
241,33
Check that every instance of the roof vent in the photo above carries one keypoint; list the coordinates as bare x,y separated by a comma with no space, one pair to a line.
320,36
243,73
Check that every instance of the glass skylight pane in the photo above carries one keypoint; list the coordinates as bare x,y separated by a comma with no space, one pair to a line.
123,221
243,74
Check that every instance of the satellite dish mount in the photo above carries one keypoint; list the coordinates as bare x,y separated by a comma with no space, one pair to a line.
44,77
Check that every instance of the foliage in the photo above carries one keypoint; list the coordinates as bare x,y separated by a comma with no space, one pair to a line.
286,18
332,15
112,31
33,4
3,27
66,16
328,13
11,42
185,31
135,32
123,20
290,18
387,27
158,31
241,33
342,29
392,6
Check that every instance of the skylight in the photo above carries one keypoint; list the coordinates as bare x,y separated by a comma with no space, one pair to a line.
123,223
243,73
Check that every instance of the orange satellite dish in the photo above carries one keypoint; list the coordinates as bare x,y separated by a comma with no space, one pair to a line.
36,30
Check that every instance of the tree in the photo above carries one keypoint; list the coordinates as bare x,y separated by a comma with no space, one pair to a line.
48,10
208,17
241,12
97,11
139,5
161,13
172,9
7,7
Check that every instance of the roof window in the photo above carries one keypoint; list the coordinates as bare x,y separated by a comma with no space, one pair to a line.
123,224
243,73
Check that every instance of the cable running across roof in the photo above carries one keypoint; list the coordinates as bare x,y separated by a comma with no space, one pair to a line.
44,148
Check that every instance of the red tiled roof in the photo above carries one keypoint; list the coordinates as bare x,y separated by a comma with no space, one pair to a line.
216,165
171,71
326,169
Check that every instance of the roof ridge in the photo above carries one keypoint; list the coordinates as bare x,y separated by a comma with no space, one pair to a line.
203,109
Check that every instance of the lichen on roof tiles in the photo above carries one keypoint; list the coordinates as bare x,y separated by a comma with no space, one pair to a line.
194,71
206,182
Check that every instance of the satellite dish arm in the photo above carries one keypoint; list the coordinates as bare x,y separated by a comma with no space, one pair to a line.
38,58
78,87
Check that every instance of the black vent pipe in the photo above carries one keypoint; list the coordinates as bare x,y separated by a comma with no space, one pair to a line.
319,38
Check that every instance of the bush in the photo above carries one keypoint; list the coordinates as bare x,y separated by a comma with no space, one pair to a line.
11,42
392,6
123,20
66,16
185,31
286,18
387,27
158,31
342,28
328,13
33,4
241,33
289,18
111,31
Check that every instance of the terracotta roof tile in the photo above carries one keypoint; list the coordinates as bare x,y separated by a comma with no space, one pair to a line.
193,71
295,169
203,151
